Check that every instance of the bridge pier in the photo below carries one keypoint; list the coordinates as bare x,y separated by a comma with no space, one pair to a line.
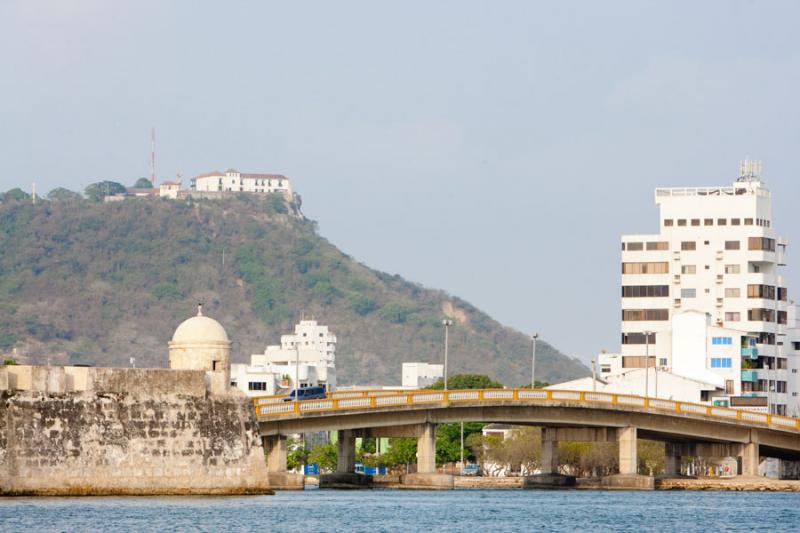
426,475
672,459
750,458
628,477
345,476
549,476
278,475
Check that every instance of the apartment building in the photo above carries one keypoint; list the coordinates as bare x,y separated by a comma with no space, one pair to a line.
305,358
705,297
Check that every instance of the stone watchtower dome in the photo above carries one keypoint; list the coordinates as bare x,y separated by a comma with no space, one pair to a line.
201,343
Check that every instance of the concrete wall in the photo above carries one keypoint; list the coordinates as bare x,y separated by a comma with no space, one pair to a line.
129,431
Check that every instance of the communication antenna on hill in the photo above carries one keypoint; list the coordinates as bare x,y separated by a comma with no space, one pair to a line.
153,156
33,193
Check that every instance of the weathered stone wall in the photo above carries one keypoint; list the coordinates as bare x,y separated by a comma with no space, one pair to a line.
130,431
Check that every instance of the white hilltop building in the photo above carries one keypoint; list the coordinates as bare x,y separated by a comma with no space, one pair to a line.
234,181
421,375
705,306
276,370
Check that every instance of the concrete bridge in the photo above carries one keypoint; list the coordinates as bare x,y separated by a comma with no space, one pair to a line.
688,429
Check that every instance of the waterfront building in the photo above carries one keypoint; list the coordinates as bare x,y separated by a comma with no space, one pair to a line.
276,370
705,298
421,375
234,181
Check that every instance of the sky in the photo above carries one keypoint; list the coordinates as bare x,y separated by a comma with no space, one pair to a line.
496,150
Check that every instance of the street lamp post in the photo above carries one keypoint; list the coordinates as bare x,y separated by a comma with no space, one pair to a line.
646,364
446,323
594,377
533,359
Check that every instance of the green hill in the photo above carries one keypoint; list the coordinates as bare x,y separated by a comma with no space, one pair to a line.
93,283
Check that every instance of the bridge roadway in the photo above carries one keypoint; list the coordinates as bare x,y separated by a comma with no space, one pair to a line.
688,429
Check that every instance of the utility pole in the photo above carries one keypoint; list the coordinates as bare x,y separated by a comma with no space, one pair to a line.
533,360
462,448
446,323
594,377
153,157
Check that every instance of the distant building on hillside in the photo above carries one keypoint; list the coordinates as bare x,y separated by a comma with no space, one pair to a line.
276,370
234,181
169,189
420,375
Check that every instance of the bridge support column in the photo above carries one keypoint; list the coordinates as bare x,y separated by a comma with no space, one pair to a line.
345,476
672,460
628,477
750,458
278,475
548,476
426,476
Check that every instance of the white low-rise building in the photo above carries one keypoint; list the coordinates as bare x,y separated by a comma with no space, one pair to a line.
421,375
305,358
234,181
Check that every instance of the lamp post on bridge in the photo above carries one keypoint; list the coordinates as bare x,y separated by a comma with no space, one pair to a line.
646,363
446,323
533,359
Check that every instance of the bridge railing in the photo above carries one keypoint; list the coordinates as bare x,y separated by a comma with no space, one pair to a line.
382,398
278,398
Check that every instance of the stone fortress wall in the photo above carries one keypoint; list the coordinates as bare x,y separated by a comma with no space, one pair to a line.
82,431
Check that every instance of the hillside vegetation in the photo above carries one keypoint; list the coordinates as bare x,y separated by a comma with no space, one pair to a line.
93,283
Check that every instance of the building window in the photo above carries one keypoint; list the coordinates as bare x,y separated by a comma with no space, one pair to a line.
780,386
708,222
722,222
748,222
688,245
688,293
668,222
720,362
638,338
645,268
761,315
681,221
645,291
766,292
783,292
659,245
732,245
645,314
634,246
732,316
782,317
695,222
735,222
722,340
761,243
257,385
732,269
637,361
732,292
662,361
689,269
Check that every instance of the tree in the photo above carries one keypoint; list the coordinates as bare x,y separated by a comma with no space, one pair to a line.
402,450
60,194
324,455
97,191
297,455
9,362
143,183
467,381
15,194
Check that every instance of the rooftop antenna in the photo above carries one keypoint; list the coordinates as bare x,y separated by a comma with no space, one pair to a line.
749,170
200,309
153,156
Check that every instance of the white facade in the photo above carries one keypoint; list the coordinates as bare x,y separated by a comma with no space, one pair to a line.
276,370
234,181
169,189
421,375
716,253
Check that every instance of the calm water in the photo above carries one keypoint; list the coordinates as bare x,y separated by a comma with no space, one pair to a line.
473,511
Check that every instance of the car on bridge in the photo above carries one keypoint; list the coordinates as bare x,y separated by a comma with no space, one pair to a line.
306,393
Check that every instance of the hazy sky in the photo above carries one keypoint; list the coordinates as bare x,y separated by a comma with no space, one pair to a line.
493,149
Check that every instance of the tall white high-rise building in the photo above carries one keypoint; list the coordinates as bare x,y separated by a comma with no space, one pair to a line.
705,297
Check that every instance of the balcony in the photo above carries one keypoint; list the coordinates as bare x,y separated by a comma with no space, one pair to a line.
750,353
749,375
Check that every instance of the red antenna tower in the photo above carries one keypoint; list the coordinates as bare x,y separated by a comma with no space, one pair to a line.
153,156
